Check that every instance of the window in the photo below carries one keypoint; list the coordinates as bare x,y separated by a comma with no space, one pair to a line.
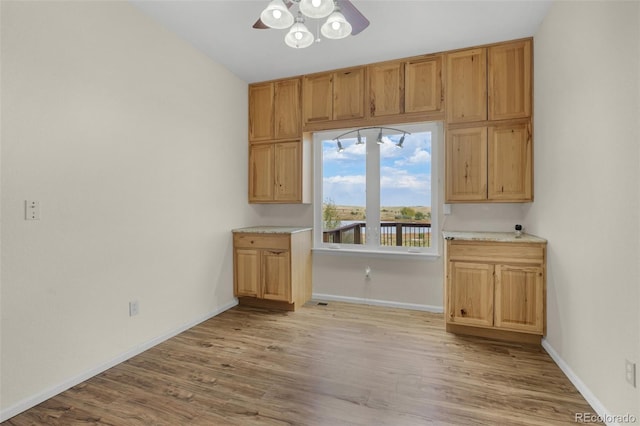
376,189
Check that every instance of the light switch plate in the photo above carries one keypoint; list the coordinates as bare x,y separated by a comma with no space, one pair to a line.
32,210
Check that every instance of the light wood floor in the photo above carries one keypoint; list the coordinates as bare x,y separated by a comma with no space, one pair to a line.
338,364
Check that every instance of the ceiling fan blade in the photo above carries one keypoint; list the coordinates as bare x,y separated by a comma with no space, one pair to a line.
356,19
259,25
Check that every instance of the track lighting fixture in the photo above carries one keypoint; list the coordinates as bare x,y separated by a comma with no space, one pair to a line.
379,139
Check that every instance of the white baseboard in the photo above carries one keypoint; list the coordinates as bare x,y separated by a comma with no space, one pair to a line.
377,302
36,399
595,403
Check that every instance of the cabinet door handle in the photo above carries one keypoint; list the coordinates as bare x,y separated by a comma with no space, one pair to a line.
463,312
276,252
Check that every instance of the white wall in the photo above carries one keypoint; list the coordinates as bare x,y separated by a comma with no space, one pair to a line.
128,137
587,180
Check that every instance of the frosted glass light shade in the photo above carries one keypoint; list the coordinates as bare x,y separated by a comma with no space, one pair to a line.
336,26
299,36
276,15
316,8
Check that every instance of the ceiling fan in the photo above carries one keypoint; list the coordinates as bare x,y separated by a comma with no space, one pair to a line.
344,19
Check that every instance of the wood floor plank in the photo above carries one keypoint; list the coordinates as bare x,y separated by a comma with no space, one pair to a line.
338,364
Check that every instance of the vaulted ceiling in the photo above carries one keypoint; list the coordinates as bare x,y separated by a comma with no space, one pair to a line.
222,29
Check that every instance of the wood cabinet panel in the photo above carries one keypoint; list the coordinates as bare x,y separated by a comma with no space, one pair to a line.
276,275
423,85
386,89
509,80
471,293
288,172
519,300
510,162
261,172
318,97
246,272
466,164
348,94
467,86
287,109
261,111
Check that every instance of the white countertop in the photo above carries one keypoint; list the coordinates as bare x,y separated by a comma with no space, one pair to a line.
506,237
271,230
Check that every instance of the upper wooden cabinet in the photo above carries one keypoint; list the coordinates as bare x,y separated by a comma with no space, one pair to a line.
261,111
467,86
489,163
386,89
510,162
423,85
491,83
406,87
466,164
275,110
276,172
337,95
509,81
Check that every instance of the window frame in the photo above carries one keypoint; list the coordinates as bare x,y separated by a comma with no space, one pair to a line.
437,139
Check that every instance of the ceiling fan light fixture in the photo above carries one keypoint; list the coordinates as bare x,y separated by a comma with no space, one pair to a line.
276,15
316,8
336,27
299,36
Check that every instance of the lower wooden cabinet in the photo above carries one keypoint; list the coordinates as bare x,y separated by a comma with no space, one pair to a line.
272,268
496,288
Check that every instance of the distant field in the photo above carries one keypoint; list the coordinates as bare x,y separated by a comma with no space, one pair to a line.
387,213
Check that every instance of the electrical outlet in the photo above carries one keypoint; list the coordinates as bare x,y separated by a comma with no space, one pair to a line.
630,372
134,308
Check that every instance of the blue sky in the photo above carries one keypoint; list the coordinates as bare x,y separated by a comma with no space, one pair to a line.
405,176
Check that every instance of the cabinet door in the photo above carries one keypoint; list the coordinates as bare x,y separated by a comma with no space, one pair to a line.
423,85
466,164
470,293
288,172
510,80
510,163
467,86
247,272
519,299
386,89
261,111
261,173
287,120
276,283
348,94
318,98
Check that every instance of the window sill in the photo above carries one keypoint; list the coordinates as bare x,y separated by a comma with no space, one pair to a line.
405,255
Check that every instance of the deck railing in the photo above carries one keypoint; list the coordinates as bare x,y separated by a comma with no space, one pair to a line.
391,234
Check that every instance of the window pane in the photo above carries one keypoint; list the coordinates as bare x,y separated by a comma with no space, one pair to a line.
343,192
405,190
